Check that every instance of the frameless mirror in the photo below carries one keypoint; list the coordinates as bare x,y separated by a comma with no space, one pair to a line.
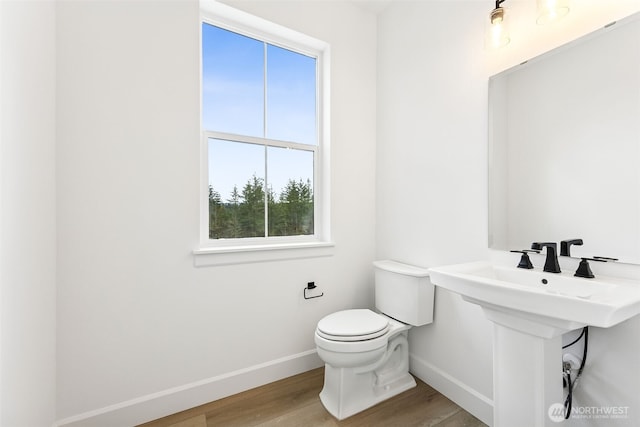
564,147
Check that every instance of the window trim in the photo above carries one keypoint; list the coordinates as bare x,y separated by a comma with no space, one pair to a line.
232,251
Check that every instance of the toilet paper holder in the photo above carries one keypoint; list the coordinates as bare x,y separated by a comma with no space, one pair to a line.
311,286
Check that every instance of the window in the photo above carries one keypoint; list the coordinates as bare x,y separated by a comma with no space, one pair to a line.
264,138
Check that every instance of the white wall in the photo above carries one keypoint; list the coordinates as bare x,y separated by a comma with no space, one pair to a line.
431,178
432,183
27,213
141,331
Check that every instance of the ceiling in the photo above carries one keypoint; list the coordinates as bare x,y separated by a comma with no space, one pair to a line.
373,6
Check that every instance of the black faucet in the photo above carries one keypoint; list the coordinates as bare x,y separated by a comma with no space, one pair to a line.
565,246
525,261
551,264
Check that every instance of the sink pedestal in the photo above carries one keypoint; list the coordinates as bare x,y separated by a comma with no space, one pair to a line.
527,377
527,369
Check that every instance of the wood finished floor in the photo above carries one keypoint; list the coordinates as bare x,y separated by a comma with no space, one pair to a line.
294,402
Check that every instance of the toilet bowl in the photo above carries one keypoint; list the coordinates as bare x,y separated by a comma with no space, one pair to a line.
352,338
366,353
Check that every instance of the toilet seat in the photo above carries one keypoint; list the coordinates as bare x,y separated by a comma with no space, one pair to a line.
353,326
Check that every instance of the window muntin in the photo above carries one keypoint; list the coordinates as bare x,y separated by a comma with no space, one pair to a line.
273,170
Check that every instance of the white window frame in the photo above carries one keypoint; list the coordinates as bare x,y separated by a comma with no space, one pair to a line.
241,250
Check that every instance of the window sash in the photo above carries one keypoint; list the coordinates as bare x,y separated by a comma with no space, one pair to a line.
226,17
263,142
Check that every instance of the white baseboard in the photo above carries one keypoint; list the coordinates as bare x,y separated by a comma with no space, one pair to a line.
167,402
464,396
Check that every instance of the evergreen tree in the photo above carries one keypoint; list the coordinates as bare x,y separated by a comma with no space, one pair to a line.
251,210
216,214
242,215
273,213
295,216
232,227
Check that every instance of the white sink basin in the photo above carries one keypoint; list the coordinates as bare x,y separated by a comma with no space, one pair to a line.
564,300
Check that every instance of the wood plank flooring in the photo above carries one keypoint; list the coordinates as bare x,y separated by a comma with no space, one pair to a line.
294,402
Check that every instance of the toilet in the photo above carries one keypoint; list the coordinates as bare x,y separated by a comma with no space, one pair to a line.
366,353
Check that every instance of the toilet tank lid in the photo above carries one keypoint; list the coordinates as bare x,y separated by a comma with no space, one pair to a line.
401,268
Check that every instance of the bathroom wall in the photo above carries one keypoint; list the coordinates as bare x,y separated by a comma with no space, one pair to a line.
142,332
431,183
431,178
27,213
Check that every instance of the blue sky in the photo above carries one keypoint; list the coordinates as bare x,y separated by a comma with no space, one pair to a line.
233,89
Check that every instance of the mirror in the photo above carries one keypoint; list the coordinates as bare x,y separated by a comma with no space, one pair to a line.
564,147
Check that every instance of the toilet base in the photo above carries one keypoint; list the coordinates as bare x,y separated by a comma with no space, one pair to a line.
348,391
357,394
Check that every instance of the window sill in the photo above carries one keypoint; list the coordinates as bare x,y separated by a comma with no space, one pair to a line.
229,255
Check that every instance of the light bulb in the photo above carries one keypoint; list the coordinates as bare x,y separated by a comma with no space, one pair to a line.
551,10
498,31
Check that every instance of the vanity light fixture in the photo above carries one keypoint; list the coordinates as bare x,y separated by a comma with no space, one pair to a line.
498,30
551,10
548,11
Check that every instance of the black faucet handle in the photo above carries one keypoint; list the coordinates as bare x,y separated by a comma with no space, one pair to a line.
584,270
604,258
565,246
525,261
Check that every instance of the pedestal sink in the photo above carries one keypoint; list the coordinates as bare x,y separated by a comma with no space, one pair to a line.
530,310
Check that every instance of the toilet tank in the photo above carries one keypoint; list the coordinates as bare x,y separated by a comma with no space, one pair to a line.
404,292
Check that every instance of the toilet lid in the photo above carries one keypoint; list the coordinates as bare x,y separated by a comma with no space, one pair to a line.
353,325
